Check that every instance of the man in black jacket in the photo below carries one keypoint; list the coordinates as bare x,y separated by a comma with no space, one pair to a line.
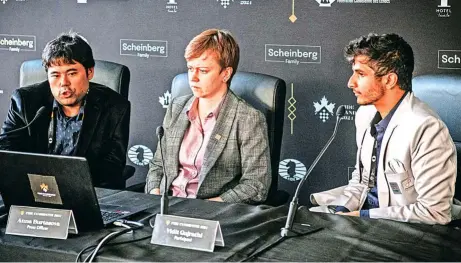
80,118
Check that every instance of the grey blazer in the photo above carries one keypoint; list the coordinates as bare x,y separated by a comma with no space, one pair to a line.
417,167
236,164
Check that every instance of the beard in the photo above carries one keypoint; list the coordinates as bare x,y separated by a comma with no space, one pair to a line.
371,96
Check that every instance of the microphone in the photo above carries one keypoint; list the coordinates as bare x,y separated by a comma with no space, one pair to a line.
164,200
38,114
287,230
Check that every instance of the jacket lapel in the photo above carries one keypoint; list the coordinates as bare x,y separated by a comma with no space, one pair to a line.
383,196
92,113
220,134
177,131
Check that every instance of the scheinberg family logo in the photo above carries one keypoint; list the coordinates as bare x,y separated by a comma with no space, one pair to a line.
293,54
17,43
143,48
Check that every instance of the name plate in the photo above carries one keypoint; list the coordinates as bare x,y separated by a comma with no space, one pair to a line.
185,232
40,222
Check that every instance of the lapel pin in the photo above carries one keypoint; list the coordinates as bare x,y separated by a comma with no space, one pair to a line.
217,137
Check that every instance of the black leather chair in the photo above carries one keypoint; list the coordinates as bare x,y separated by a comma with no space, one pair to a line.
265,93
443,93
110,74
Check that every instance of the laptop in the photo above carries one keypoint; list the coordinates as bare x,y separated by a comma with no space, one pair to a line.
63,182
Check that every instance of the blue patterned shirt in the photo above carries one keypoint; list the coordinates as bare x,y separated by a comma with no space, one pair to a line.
67,130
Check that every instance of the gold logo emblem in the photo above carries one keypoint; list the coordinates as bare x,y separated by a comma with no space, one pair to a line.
44,187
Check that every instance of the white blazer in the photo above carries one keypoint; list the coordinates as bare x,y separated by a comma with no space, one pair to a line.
416,169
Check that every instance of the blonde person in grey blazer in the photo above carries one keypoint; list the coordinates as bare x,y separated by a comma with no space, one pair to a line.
411,175
215,144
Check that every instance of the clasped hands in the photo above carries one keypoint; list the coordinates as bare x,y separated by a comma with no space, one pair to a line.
156,191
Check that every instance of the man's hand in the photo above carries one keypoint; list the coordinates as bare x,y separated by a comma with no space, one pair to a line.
216,199
155,191
353,213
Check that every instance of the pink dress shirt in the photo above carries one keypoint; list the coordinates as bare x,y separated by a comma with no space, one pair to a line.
192,151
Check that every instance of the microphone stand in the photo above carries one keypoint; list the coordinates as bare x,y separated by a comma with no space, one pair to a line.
164,199
287,231
39,113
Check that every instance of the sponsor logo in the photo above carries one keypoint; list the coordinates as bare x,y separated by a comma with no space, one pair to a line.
140,155
165,99
292,170
81,1
44,187
172,6
224,3
449,59
444,3
443,9
293,54
324,109
17,43
349,114
364,1
327,3
143,48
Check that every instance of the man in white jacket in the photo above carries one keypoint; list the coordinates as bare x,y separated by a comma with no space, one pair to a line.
406,159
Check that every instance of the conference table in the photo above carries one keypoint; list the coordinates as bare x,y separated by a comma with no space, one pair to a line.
252,233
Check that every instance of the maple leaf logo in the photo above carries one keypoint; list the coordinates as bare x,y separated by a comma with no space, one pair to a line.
324,104
165,99
324,109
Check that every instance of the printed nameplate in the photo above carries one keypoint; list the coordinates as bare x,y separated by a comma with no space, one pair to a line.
40,222
185,232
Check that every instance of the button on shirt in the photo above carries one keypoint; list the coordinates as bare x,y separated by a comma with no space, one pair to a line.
67,130
192,150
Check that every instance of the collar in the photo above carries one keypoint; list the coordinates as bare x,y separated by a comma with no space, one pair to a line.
378,124
192,110
58,108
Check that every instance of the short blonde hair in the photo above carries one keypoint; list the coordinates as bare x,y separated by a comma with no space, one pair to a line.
221,43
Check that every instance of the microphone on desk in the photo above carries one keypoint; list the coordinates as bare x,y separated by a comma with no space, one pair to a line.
164,200
38,114
287,230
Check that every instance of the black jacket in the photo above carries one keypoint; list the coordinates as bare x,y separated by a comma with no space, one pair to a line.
103,139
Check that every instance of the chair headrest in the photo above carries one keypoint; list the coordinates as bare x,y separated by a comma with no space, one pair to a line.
443,94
